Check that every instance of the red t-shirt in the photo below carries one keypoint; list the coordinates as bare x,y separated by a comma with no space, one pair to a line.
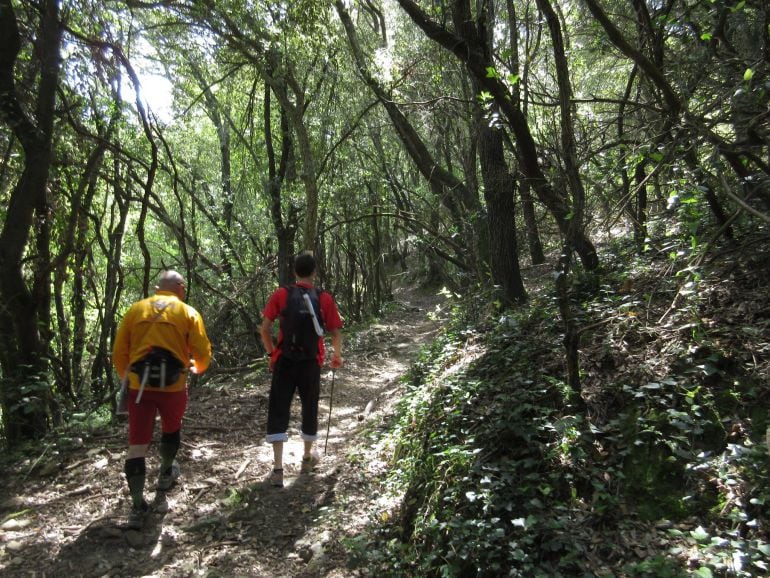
330,316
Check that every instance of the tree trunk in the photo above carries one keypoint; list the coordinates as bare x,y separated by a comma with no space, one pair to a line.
277,174
469,48
450,190
222,125
24,390
498,193
536,255
640,212
291,96
101,371
568,144
499,189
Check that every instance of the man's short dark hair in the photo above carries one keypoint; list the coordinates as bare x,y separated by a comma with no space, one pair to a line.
304,265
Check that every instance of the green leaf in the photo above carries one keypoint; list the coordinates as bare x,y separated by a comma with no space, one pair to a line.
700,534
513,79
485,96
748,75
705,572
706,36
651,385
491,72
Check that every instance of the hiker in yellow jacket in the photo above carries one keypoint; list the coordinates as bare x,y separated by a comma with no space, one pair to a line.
158,341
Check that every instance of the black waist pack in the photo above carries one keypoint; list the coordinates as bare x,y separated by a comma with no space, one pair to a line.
158,368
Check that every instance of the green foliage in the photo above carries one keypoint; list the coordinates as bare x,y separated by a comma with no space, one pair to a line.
474,450
29,394
235,497
656,567
496,474
87,422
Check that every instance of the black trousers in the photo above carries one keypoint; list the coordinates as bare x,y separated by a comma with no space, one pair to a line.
291,376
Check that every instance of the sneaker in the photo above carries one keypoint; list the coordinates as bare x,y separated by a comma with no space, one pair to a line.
309,463
136,516
167,479
276,478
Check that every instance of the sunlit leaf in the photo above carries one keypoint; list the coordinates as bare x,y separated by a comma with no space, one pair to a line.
700,534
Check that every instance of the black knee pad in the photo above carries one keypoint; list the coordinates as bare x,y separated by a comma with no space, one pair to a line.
172,439
135,467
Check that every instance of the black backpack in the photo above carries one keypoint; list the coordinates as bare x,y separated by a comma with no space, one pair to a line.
299,334
158,368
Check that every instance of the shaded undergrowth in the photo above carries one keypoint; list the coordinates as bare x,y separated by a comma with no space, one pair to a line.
496,470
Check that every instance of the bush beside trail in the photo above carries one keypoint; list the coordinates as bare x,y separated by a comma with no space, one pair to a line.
498,469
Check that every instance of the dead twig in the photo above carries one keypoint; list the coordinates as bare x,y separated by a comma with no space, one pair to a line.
199,494
243,467
37,461
76,464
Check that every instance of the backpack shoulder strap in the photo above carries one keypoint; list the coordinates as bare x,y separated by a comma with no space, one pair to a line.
288,288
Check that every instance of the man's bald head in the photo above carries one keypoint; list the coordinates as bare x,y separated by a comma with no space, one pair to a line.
171,281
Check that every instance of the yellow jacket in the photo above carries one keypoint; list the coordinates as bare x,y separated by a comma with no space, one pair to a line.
161,321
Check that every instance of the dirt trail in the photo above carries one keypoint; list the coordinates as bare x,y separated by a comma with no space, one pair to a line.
63,513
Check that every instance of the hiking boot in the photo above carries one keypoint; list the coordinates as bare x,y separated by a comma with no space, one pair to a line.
276,478
309,463
167,479
136,516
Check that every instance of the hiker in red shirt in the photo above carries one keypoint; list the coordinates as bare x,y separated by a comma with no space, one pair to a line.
154,345
305,313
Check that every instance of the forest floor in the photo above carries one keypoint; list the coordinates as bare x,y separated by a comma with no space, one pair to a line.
63,509
63,512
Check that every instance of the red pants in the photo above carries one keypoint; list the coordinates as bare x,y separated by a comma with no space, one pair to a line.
141,417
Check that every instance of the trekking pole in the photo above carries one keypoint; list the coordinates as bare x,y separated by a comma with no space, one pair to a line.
329,421
122,405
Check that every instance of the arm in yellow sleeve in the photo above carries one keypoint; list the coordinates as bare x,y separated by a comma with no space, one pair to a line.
200,346
121,348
